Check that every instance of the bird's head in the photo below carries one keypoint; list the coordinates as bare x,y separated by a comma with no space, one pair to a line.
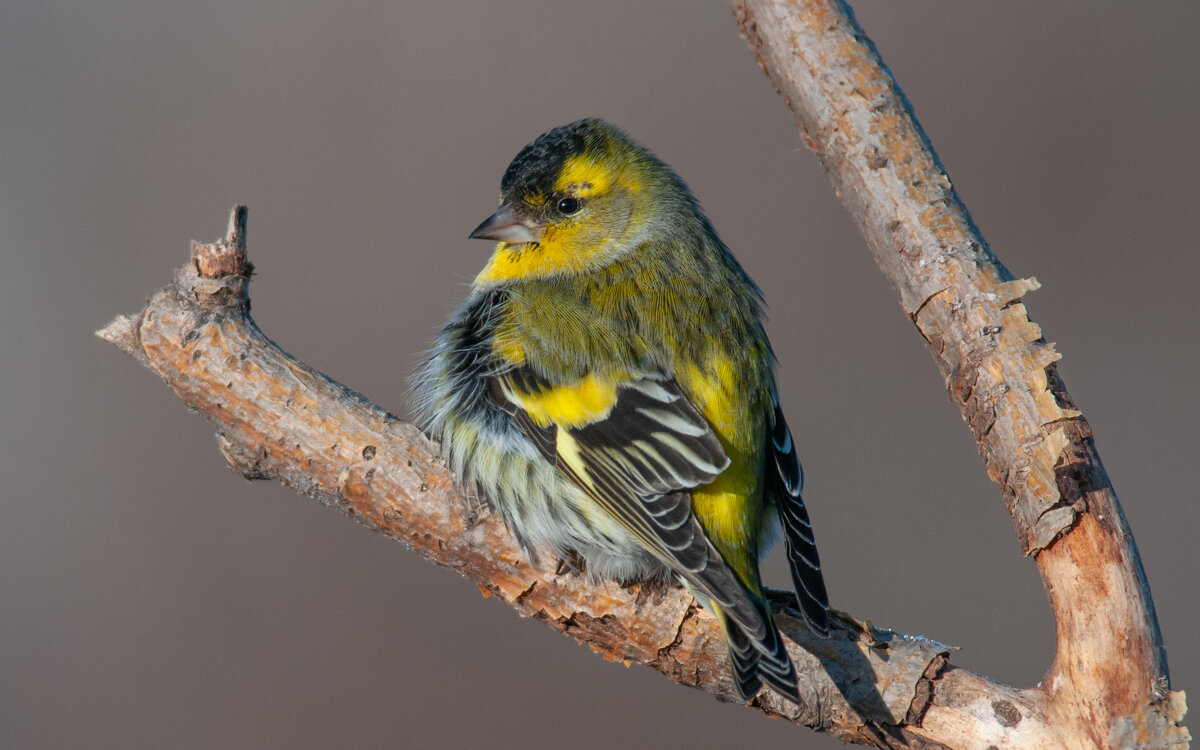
575,200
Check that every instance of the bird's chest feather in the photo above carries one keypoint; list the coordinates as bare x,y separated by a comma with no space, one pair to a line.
617,327
567,331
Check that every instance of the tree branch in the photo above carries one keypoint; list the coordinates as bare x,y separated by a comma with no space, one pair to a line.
1109,681
278,419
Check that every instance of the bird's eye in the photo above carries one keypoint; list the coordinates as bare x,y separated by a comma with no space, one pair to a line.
568,206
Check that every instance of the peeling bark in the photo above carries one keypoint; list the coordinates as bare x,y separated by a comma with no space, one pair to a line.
1110,671
279,419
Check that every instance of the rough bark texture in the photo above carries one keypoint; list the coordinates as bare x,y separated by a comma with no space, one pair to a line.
278,419
1108,685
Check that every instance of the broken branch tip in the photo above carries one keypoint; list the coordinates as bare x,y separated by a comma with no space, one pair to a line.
236,234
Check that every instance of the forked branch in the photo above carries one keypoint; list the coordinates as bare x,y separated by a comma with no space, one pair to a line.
279,419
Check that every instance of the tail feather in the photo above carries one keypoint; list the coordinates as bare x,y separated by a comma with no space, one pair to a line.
743,659
755,662
776,668
785,484
756,650
804,564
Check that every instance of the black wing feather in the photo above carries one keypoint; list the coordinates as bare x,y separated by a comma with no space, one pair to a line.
543,438
803,560
639,463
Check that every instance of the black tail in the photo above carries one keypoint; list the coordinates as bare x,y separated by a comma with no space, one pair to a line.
756,651
786,483
805,565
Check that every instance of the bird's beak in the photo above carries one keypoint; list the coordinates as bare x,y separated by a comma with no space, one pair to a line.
506,226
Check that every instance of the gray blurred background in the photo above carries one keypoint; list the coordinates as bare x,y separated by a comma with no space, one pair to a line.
150,598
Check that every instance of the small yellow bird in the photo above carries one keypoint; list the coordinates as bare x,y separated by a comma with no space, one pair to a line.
607,386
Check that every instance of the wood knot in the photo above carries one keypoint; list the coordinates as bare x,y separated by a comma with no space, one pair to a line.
1006,713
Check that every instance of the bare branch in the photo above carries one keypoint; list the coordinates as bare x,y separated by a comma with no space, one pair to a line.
279,419
1109,680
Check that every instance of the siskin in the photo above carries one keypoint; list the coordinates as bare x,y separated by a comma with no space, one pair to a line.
607,386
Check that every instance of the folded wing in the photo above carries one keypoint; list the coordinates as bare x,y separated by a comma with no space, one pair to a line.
637,447
786,482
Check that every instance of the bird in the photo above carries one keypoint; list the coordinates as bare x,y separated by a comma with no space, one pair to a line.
608,388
